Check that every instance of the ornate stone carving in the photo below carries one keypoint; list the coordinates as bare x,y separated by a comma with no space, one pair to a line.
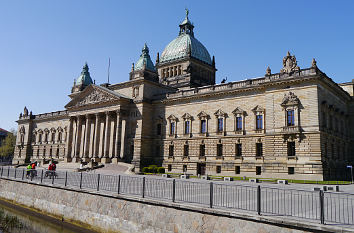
289,64
94,97
268,71
238,110
203,115
314,63
22,130
220,113
258,109
290,99
25,112
187,116
172,118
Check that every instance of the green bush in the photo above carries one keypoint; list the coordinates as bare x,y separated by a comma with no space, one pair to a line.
160,170
146,170
153,168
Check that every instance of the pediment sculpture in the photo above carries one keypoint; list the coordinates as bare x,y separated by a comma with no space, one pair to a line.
290,99
289,64
94,97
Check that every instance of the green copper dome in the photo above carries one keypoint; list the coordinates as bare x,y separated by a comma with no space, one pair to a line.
185,44
84,78
144,61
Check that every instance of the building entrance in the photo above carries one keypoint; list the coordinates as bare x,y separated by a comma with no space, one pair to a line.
201,167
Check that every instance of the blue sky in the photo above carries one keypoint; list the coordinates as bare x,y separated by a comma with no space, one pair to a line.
44,44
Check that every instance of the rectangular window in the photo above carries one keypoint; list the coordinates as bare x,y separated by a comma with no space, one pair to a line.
186,127
238,152
259,123
291,149
258,170
158,130
186,151
220,124
219,150
172,128
218,169
259,149
169,168
184,168
290,117
170,150
238,123
203,126
237,170
291,170
202,150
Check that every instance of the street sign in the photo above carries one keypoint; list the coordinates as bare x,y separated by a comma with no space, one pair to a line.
349,166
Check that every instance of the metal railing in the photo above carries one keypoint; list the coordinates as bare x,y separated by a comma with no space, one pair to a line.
319,206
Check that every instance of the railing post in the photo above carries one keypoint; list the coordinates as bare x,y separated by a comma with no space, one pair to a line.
174,190
2,169
66,178
23,174
42,176
98,182
80,180
211,194
143,194
118,184
15,173
322,206
8,172
259,200
31,174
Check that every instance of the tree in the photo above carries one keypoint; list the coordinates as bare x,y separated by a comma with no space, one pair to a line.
8,146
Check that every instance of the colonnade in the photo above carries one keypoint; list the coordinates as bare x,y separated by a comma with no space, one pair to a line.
98,136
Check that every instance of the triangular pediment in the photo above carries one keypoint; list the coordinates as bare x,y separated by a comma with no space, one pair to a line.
258,109
220,113
203,114
238,110
187,116
172,118
93,95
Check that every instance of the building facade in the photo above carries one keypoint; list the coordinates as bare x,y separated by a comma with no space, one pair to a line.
296,124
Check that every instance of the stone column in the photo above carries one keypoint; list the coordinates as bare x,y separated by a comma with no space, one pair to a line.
106,140
122,139
87,138
117,145
82,136
68,144
73,144
96,143
78,138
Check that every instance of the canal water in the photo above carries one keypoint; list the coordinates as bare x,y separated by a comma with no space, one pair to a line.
35,223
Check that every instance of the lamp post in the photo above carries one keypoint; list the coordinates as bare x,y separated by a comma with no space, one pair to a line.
351,171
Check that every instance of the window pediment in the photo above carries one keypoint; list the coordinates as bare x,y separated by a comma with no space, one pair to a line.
238,111
220,113
203,115
46,130
290,99
172,118
187,116
258,109
52,130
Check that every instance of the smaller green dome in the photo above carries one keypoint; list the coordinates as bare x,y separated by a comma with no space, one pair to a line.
144,61
84,78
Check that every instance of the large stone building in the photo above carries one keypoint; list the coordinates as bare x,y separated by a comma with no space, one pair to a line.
297,123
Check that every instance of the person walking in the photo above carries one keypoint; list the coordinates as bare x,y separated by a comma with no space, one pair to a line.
29,168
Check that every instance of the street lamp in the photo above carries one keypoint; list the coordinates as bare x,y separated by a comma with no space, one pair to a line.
351,170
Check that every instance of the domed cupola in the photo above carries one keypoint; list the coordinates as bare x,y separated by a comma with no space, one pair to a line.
144,68
185,61
83,80
144,61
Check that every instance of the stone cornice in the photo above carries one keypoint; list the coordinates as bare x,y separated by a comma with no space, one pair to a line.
135,82
45,116
257,84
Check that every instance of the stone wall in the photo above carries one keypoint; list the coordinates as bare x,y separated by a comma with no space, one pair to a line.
119,214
